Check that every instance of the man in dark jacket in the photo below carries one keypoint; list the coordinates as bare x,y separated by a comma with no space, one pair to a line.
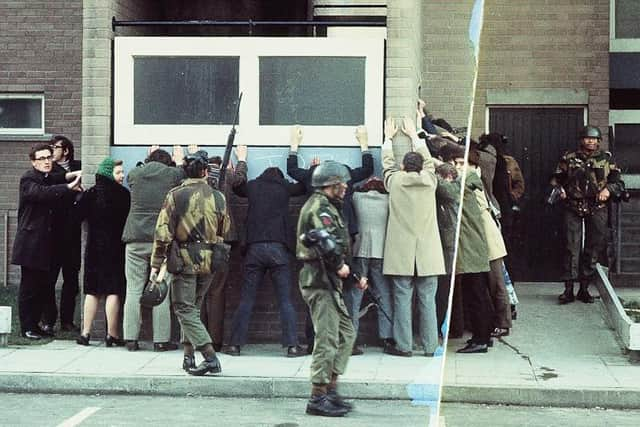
35,249
269,243
68,237
348,213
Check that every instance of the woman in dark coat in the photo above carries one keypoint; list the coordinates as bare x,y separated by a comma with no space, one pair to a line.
105,207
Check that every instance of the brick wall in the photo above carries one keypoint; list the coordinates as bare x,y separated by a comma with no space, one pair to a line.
40,51
448,60
528,45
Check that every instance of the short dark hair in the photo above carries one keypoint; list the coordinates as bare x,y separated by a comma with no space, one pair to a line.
412,162
474,155
66,144
272,172
216,160
451,151
39,147
194,166
159,156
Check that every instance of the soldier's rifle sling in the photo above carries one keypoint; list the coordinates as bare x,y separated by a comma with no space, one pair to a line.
229,147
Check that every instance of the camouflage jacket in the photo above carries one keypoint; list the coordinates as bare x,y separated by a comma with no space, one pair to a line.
319,212
195,216
583,176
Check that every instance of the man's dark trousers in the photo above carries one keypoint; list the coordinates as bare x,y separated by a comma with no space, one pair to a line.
476,298
70,289
262,257
32,297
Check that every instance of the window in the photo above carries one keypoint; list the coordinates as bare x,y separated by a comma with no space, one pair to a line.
21,114
169,89
624,32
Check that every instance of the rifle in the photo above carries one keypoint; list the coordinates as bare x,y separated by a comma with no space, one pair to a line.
376,301
229,147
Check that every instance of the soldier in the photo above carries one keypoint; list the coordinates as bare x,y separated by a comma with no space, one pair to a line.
194,218
586,179
324,249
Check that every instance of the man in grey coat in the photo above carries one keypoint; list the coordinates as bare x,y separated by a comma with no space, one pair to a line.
149,186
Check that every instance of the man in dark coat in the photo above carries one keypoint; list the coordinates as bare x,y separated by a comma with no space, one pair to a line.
68,237
35,247
269,246
304,176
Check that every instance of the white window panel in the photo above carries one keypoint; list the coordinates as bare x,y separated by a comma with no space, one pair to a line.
21,114
250,50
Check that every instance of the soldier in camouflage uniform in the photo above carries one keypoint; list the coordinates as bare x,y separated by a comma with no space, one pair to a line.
587,177
194,216
321,286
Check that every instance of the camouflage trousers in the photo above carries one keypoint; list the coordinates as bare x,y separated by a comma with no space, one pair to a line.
187,293
334,331
577,265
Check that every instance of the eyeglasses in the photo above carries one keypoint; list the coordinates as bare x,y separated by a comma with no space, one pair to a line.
44,159
57,146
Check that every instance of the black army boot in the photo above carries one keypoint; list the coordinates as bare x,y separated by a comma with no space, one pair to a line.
583,293
319,404
334,397
567,296
210,364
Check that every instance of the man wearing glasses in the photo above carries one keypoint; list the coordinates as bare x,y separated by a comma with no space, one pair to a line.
67,237
41,192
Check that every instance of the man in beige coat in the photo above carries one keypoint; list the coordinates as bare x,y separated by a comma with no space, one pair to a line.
413,253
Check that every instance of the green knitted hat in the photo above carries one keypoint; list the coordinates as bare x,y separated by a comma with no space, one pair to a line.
106,168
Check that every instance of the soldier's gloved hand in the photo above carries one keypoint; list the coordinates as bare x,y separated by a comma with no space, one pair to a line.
153,276
604,195
344,271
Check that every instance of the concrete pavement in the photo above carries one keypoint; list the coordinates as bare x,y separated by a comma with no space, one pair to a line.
555,356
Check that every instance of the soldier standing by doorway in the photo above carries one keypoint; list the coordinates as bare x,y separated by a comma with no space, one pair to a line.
325,251
586,178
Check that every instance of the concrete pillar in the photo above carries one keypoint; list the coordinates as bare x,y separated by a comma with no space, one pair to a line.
5,325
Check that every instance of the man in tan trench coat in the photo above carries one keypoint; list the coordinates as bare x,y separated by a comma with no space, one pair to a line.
413,253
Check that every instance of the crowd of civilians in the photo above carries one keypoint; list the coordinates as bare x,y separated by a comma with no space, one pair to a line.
403,229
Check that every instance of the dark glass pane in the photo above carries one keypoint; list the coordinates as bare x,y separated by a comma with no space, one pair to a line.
21,113
312,90
627,148
627,18
185,90
624,99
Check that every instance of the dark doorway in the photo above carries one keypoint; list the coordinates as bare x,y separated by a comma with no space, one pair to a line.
537,139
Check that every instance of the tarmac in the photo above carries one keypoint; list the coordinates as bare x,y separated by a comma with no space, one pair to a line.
561,356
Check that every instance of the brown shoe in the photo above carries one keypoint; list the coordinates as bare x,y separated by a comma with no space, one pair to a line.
232,350
393,350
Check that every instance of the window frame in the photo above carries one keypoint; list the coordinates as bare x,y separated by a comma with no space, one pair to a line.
615,44
626,117
249,49
25,131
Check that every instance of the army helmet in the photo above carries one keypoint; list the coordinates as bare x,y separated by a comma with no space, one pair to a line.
154,293
329,173
590,132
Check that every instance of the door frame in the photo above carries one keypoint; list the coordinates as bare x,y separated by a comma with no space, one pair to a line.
585,109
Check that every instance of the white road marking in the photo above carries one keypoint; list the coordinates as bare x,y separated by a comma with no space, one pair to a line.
79,417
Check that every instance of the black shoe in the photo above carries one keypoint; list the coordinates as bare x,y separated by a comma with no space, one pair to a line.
500,332
474,348
337,400
164,346
566,297
47,330
321,405
189,362
295,351
30,335
490,344
585,296
110,341
207,366
217,347
83,339
393,350
69,327
356,351
310,349
132,345
232,350
514,312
